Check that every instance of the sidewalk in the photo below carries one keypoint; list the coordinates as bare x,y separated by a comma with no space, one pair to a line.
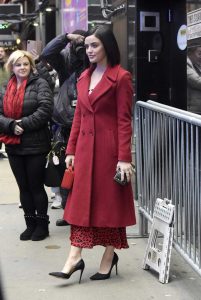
25,265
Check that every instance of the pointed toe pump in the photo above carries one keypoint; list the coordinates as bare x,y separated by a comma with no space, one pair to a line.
100,276
79,266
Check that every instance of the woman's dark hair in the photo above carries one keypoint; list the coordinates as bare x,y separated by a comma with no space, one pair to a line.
106,36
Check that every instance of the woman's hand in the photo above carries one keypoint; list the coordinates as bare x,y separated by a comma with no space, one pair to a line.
125,168
18,130
70,160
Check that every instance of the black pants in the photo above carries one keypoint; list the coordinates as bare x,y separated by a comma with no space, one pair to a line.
64,195
62,134
29,171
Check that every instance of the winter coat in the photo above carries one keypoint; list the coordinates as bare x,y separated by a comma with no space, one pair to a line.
100,137
193,88
36,112
64,60
68,67
56,55
44,73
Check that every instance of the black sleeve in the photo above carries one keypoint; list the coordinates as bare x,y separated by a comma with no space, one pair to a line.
44,73
52,52
44,111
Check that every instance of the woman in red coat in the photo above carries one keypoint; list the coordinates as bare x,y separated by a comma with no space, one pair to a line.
98,208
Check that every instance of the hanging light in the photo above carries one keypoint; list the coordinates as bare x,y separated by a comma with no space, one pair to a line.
18,41
35,24
49,9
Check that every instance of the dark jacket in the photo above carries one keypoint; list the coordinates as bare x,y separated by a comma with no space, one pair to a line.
69,63
44,73
57,56
36,112
64,60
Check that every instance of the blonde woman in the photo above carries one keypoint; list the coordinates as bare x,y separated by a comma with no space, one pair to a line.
25,109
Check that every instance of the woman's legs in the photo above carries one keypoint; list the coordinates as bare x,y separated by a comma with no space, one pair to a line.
73,263
36,175
109,260
29,173
73,257
106,261
35,165
19,169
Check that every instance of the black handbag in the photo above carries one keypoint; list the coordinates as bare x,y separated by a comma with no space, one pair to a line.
55,166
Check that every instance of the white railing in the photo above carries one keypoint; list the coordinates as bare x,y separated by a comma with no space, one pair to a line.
168,165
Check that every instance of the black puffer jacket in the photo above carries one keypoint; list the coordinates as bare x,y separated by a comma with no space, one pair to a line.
37,111
44,73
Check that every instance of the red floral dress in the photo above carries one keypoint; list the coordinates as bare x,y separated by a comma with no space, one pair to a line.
88,237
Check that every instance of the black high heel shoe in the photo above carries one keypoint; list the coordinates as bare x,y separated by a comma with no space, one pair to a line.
100,276
79,266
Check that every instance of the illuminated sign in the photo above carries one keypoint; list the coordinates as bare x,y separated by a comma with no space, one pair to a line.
4,26
74,15
9,43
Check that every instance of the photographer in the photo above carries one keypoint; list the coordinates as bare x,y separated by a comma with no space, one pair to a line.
66,54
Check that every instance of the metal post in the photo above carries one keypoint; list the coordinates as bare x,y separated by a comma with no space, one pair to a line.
37,30
25,7
58,17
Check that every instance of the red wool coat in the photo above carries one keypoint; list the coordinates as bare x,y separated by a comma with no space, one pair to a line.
100,137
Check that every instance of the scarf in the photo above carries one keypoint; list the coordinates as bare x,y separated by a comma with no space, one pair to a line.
12,107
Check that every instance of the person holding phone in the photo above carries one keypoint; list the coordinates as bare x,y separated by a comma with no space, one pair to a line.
98,208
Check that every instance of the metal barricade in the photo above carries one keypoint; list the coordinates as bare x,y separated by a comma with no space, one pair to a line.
168,165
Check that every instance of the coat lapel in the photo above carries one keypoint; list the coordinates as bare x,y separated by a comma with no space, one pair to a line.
105,84
83,89
107,81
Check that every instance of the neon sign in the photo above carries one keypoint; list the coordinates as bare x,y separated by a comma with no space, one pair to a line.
4,26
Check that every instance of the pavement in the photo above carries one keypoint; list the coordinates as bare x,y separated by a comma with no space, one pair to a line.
25,264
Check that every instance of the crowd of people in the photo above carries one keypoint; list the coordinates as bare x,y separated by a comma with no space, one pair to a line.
90,117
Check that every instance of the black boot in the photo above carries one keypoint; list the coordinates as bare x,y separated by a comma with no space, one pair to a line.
31,226
41,231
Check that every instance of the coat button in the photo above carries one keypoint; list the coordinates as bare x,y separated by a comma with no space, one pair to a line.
83,133
91,132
